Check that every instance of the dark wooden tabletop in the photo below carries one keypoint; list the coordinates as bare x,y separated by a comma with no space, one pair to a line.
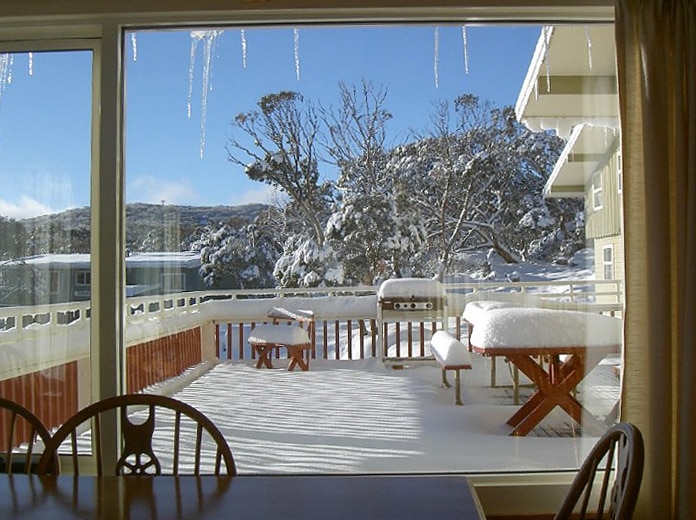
243,497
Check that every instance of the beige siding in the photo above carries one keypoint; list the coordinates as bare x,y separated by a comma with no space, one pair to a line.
606,221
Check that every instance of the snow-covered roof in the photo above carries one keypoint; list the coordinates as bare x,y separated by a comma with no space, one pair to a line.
180,259
76,260
177,259
571,79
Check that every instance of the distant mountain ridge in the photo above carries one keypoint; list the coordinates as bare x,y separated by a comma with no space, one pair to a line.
152,215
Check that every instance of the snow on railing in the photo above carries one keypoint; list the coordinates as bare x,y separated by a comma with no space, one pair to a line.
346,316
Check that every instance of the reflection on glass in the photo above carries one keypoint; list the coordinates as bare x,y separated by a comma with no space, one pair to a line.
302,167
45,164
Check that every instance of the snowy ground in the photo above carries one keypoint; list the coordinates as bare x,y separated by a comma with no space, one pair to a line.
362,416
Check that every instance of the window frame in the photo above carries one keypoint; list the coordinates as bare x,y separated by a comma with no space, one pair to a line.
101,27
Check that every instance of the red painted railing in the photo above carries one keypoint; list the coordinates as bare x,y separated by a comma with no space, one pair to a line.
155,361
410,338
50,394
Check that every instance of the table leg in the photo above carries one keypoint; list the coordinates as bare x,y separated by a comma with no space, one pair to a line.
555,388
264,352
296,355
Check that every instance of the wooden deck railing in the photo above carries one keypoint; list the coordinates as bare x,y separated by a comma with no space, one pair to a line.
42,347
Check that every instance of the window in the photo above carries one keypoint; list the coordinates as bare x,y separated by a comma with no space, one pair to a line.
597,192
608,262
241,86
54,281
173,282
83,278
46,153
167,192
204,137
619,173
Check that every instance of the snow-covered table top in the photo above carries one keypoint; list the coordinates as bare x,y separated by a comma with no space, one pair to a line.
474,311
279,334
506,327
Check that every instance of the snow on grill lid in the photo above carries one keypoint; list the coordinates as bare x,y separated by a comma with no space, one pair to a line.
411,288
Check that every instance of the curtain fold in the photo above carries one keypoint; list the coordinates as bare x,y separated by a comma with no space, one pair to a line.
656,63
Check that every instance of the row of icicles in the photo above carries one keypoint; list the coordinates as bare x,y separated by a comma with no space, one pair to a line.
209,39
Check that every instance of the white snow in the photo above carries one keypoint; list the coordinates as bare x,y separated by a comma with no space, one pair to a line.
413,288
363,417
536,327
281,334
449,351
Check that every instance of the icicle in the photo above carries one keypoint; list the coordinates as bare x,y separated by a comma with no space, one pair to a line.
134,46
547,41
192,64
5,66
244,48
209,38
589,46
296,35
465,44
436,60
31,63
6,61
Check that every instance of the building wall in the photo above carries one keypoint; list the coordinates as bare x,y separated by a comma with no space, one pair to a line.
604,222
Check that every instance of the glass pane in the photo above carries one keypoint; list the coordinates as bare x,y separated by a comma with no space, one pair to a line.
45,161
284,175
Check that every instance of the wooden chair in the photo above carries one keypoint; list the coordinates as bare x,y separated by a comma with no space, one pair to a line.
143,451
22,426
621,447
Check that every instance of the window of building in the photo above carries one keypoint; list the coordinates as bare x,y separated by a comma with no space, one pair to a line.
597,191
83,278
54,281
619,172
608,262
173,282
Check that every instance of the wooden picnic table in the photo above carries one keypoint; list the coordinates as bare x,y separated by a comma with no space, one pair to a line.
555,349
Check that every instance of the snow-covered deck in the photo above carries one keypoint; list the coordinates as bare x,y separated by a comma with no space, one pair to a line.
363,416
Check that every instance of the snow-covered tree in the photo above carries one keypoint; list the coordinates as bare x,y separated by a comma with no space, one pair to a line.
284,154
305,263
477,180
284,131
373,238
237,258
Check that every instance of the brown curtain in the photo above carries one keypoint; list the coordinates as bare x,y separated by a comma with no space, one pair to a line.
656,60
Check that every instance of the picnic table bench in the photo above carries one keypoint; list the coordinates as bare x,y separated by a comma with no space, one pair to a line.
453,355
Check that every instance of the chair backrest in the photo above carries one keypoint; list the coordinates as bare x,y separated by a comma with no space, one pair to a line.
154,429
21,427
617,458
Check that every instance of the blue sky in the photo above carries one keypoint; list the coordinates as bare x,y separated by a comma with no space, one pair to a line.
45,110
